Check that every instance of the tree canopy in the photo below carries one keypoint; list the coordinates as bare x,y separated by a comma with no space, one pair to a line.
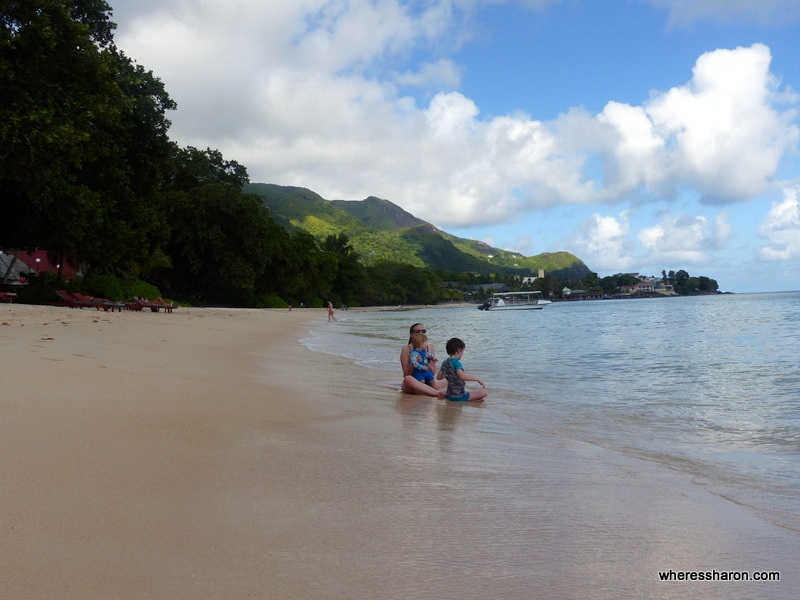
83,135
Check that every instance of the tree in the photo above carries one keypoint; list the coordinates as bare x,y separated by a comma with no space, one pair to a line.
705,284
681,283
130,178
591,282
612,284
222,241
349,279
82,133
192,168
307,271
223,245
396,283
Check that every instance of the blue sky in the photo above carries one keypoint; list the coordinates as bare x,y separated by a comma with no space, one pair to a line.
640,135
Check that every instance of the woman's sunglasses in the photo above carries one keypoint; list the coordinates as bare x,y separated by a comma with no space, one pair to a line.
420,331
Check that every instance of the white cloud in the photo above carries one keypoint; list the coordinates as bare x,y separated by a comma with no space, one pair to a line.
344,35
605,243
720,134
444,73
296,91
781,228
634,150
608,244
684,238
725,137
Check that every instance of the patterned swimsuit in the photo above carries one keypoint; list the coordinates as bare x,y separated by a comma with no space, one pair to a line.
419,358
456,387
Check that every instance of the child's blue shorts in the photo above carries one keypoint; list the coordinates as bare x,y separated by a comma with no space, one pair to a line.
425,376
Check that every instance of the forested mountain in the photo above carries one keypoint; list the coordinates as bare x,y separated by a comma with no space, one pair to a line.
381,231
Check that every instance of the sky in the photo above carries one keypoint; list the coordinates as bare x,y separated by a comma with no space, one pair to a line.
640,135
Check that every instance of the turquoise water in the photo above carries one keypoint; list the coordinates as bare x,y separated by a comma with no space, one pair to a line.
707,386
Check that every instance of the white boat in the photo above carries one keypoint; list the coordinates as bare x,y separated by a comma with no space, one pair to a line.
515,301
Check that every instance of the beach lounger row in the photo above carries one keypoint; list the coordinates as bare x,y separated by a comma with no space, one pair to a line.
154,305
77,300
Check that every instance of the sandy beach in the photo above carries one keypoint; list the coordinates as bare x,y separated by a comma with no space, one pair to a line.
128,470
208,454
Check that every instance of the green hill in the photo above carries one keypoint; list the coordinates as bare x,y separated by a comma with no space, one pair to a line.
379,214
382,231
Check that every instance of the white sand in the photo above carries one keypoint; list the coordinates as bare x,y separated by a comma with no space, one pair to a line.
208,454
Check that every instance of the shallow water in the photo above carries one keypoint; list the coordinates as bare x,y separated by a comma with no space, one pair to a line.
669,405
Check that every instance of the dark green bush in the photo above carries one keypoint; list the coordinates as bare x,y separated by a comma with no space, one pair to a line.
40,289
141,289
105,286
269,301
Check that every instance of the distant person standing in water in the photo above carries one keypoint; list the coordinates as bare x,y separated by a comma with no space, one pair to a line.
330,311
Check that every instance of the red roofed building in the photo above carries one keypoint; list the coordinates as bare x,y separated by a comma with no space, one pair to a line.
31,262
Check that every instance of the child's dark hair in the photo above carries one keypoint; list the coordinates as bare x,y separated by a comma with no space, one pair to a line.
454,345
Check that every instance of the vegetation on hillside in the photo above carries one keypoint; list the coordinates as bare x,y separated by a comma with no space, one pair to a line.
381,231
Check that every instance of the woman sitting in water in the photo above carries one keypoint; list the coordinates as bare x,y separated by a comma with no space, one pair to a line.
412,385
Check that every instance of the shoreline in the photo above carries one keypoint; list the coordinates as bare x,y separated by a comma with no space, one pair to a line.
208,453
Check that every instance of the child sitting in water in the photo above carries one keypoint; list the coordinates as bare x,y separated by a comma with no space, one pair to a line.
421,359
453,371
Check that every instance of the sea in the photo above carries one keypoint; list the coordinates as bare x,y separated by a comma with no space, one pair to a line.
706,387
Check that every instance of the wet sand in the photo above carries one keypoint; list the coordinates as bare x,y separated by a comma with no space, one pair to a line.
208,454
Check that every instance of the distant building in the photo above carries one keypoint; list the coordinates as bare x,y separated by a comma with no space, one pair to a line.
666,289
532,279
15,272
